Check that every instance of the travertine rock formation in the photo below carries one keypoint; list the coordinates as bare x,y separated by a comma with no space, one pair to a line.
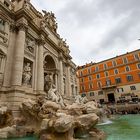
53,120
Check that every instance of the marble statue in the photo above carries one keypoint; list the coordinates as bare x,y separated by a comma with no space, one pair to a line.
52,94
48,81
27,75
50,20
81,100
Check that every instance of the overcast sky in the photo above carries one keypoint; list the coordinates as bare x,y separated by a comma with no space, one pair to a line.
96,30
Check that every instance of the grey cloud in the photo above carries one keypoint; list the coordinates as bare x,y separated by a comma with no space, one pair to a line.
77,16
82,12
117,7
123,31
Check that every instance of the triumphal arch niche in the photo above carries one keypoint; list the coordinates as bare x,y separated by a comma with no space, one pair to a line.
32,54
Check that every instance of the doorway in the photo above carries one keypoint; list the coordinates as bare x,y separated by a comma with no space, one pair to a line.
111,97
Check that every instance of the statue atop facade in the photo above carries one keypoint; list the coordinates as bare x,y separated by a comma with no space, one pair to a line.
62,43
50,20
27,75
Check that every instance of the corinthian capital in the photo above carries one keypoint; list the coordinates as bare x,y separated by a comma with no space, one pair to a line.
22,24
68,63
60,56
13,27
41,40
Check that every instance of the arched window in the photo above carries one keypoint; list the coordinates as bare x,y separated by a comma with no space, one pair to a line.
127,68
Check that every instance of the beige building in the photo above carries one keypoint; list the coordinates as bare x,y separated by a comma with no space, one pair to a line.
31,53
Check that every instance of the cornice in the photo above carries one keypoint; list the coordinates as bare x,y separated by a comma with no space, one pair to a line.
6,12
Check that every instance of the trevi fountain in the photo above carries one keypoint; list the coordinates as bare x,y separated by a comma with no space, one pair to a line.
39,97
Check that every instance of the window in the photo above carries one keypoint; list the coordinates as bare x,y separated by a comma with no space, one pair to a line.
120,90
129,78
83,95
81,73
132,87
91,93
136,56
114,63
138,65
98,76
105,66
82,79
127,68
118,80
82,88
90,78
89,71
116,71
2,23
108,82
96,69
106,73
90,86
100,92
99,84
125,60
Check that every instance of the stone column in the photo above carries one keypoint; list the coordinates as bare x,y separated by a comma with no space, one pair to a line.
61,74
19,53
56,84
40,72
8,66
36,66
68,81
74,91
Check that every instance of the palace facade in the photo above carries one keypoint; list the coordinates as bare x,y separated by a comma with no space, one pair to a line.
31,52
111,80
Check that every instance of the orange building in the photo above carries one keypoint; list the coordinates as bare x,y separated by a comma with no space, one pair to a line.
111,80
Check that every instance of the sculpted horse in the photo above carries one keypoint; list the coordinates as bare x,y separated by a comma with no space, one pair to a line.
52,94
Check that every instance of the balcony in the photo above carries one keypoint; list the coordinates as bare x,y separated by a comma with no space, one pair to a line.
111,86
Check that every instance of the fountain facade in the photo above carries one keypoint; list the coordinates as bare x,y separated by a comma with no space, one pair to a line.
31,51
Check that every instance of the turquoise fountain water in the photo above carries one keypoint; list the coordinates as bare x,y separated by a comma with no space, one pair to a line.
125,127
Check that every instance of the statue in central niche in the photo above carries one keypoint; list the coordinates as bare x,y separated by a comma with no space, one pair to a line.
51,90
48,81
